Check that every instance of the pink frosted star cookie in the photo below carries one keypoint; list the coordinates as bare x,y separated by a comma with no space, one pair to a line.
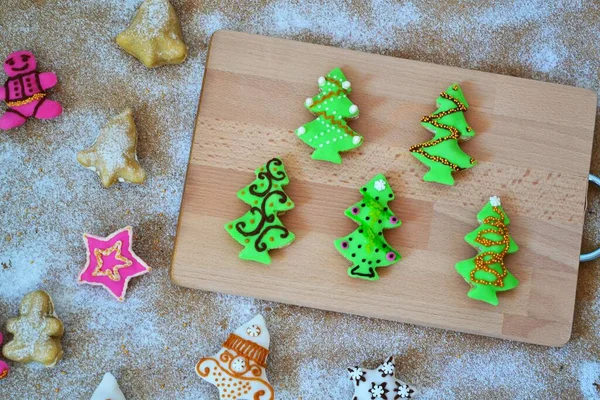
111,262
4,368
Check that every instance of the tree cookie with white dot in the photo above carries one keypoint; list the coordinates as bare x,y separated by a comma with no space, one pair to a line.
379,383
486,273
330,134
366,246
238,370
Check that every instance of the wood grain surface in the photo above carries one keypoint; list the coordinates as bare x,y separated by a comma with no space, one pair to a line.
533,144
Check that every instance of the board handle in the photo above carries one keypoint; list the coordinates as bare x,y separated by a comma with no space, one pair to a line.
596,253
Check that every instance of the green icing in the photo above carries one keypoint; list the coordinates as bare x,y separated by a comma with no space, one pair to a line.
442,154
260,230
493,242
366,247
330,134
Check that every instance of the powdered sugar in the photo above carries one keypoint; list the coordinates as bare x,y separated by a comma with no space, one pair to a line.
152,341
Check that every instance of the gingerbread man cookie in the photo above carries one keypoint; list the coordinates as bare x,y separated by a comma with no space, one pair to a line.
4,368
113,155
238,370
379,383
111,262
330,134
154,36
25,91
37,332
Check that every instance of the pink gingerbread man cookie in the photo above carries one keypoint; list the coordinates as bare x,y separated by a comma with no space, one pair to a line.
24,91
3,365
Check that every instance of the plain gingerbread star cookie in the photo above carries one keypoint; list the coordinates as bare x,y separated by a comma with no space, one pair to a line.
379,383
113,155
108,389
238,370
36,332
154,36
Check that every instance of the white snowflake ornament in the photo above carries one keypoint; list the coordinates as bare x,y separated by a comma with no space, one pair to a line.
379,383
108,389
379,185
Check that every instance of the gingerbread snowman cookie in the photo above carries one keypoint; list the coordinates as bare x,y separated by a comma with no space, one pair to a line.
238,370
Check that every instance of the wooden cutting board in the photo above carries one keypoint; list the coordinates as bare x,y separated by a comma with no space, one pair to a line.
533,144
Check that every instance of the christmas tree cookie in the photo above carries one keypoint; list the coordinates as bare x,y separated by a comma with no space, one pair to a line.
486,272
366,247
330,134
260,230
448,124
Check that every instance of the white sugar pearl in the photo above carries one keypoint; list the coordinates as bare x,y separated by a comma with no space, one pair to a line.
346,85
353,109
356,139
327,142
301,131
308,102
321,145
321,81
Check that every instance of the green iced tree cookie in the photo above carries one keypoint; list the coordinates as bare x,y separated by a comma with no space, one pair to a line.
486,272
448,124
366,247
330,134
260,230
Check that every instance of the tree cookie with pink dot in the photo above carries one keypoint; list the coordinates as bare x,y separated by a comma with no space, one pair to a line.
111,262
24,92
366,247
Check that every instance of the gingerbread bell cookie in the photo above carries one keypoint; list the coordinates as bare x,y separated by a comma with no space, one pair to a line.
486,273
442,154
4,368
108,389
330,134
113,155
366,247
111,262
24,92
154,36
36,332
379,383
260,229
238,370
